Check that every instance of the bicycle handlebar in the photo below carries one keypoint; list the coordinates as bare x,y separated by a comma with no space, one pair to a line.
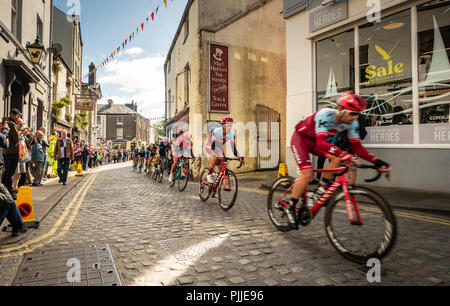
374,179
230,159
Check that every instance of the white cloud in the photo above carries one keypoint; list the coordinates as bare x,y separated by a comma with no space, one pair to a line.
139,79
134,51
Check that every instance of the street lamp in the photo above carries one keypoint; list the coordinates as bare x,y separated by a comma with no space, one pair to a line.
36,50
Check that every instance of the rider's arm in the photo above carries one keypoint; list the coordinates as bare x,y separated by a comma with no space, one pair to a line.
324,146
362,152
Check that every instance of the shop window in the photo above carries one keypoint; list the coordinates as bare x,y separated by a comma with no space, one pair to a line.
386,79
335,68
434,71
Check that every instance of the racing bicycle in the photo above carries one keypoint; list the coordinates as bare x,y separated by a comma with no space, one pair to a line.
182,173
225,185
359,222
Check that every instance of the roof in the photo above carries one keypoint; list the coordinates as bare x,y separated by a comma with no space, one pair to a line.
115,109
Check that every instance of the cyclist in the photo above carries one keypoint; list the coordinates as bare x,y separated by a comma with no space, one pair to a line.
182,147
163,150
135,157
150,153
141,158
216,143
311,135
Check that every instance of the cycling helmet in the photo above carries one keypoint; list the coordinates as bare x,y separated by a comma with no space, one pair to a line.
352,102
187,135
227,120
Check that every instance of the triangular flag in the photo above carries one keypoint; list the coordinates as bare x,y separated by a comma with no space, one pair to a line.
147,19
132,34
153,16
114,53
156,13
165,3
142,26
126,42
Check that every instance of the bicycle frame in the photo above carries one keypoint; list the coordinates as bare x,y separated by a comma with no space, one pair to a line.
350,200
222,173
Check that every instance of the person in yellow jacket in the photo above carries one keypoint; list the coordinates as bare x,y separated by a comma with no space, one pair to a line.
51,157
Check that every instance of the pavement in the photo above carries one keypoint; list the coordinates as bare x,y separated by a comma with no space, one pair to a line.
149,234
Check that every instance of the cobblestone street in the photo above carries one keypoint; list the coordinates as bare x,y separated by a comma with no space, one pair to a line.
159,236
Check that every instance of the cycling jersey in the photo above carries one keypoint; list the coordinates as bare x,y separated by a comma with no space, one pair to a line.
164,149
182,147
215,143
136,153
311,136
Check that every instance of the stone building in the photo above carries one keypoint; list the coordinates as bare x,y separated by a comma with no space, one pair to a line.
93,91
122,125
66,83
24,85
229,58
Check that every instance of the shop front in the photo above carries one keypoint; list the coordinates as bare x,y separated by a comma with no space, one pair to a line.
400,64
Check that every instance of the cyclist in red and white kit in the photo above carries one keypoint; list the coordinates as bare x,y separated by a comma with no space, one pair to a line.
311,136
181,147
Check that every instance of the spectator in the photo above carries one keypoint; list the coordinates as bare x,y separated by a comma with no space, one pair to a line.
12,152
85,156
10,211
45,145
28,135
64,154
51,155
38,158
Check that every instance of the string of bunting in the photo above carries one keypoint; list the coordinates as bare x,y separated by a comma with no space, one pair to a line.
129,39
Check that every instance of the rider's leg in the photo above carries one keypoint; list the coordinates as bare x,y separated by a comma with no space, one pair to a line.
175,161
300,185
334,163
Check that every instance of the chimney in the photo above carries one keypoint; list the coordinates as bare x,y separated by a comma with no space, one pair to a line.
92,74
110,102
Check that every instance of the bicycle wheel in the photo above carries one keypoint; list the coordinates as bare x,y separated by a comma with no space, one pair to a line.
175,176
374,238
183,178
277,194
228,190
204,188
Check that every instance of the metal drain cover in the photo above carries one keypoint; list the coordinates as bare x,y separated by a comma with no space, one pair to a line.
193,248
92,265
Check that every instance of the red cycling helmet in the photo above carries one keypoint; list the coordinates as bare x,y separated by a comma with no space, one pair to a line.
226,120
352,102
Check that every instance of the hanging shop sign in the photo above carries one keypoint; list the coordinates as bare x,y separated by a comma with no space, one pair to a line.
218,79
84,104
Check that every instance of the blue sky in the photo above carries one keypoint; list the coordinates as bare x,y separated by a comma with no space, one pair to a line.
138,73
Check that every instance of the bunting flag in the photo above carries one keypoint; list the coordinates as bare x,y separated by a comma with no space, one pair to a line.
131,37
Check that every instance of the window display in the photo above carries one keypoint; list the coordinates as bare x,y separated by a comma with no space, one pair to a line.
434,71
335,69
386,79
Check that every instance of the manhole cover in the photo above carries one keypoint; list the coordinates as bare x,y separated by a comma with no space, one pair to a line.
193,248
91,265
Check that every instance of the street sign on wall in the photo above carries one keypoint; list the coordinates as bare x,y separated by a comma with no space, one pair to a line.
218,79
84,104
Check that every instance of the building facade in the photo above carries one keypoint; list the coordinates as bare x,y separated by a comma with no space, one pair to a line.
66,84
24,85
228,59
395,54
93,91
122,126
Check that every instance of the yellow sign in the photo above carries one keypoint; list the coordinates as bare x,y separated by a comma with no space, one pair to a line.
25,204
79,170
283,170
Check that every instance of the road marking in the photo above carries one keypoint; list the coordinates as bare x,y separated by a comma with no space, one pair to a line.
65,228
57,224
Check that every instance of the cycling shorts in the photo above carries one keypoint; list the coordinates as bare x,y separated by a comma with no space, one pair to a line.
302,147
142,154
